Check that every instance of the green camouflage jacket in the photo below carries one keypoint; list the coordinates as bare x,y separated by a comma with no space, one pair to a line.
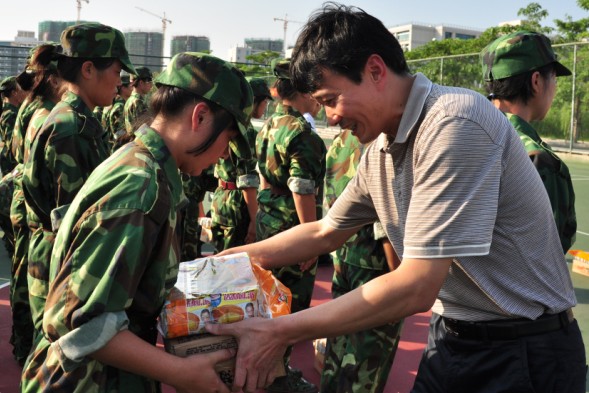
134,107
290,157
115,119
556,178
114,261
62,155
6,192
7,122
239,168
23,118
364,248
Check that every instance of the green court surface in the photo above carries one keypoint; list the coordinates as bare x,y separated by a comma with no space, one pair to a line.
579,168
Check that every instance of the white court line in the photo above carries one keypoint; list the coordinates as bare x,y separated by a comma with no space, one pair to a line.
583,233
4,285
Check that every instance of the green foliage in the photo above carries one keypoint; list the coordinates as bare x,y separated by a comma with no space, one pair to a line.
261,63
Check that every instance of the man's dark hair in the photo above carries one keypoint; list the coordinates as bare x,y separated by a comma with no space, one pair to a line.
340,39
170,101
518,87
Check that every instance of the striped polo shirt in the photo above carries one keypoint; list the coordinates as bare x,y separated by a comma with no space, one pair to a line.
456,183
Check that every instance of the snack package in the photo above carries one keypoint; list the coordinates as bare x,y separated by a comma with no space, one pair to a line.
221,290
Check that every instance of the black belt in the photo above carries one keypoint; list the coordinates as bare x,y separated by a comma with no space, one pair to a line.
509,329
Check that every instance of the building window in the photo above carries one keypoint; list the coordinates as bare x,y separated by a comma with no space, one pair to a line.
403,36
464,36
448,34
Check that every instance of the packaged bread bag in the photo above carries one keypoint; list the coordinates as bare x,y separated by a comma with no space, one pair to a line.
223,289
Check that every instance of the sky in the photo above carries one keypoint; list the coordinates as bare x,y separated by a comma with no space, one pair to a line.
228,22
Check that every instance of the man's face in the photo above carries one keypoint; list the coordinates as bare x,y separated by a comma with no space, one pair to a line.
350,105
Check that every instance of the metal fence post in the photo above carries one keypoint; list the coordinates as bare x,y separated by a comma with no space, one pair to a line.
573,99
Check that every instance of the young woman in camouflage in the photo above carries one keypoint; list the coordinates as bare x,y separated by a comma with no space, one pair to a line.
45,89
291,160
116,253
135,108
70,143
12,97
520,71
234,206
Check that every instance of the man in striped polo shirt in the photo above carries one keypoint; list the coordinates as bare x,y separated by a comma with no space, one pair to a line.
463,206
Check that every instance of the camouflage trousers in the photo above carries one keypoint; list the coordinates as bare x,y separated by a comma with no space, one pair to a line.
360,362
191,245
22,323
8,235
40,247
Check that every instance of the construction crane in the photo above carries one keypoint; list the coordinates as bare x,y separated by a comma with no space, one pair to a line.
79,2
286,22
164,20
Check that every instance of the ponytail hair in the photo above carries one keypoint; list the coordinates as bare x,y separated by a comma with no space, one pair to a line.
41,66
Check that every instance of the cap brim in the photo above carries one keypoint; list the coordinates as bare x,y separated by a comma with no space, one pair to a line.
127,65
561,70
239,145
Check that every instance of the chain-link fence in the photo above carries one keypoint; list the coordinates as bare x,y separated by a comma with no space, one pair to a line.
566,126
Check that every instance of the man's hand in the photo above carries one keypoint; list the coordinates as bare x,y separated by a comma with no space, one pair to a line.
260,349
250,237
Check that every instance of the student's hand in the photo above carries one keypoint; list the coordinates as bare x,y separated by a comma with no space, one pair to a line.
260,348
197,373
307,264
250,237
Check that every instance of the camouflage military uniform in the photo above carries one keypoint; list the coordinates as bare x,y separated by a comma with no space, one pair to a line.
134,108
22,324
229,212
6,192
116,255
133,196
115,121
63,153
291,158
7,121
357,362
556,178
195,189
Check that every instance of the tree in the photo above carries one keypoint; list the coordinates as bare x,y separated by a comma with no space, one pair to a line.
260,63
534,14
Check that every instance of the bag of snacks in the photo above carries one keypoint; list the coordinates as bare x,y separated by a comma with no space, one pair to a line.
223,289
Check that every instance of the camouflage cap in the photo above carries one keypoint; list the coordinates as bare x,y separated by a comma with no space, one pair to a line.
8,83
125,79
280,68
213,79
259,87
95,40
141,73
516,53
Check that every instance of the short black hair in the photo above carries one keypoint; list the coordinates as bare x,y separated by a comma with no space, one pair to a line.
340,38
170,101
518,87
69,67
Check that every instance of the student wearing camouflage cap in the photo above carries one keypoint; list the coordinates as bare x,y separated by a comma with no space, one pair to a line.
113,116
70,143
45,90
291,161
12,97
463,207
116,252
135,107
520,71
234,205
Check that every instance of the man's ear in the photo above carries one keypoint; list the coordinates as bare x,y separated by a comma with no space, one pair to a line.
375,68
535,82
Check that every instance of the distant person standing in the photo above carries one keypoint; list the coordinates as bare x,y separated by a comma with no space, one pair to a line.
520,71
135,106
114,117
234,206
358,362
12,96
70,143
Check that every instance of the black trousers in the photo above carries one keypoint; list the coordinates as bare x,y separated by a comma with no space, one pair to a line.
549,362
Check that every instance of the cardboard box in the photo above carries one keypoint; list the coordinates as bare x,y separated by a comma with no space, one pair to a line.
319,345
580,262
205,343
